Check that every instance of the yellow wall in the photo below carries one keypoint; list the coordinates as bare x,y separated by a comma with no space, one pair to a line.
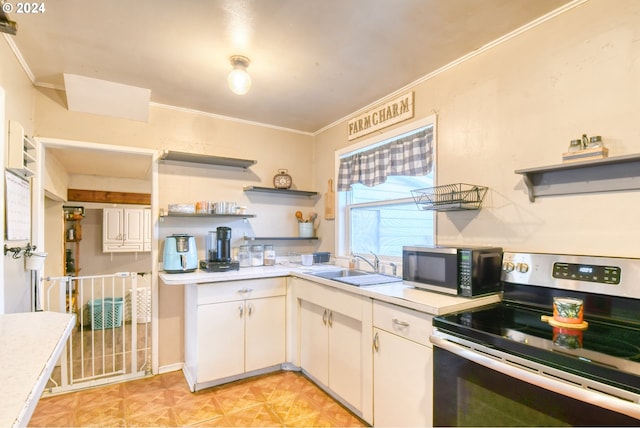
18,99
183,183
514,106
517,106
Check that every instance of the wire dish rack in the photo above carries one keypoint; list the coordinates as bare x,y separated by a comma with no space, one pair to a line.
450,197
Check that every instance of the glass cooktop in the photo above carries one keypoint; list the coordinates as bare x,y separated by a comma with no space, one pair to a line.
605,351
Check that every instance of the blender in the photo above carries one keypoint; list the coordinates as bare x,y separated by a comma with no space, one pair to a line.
219,252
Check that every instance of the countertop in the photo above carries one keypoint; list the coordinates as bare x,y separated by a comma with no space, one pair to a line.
397,293
30,345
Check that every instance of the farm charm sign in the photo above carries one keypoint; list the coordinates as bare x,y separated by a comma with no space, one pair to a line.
395,111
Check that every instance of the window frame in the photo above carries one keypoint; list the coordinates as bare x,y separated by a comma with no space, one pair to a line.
343,218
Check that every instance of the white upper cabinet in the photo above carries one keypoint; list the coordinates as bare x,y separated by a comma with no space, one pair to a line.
123,230
21,151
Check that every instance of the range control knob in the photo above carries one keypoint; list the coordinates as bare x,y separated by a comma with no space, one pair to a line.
522,267
508,267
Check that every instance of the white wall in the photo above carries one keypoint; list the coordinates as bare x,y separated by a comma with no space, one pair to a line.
18,106
517,106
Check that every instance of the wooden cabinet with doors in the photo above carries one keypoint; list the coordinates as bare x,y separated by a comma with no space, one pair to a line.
233,329
123,230
402,367
333,343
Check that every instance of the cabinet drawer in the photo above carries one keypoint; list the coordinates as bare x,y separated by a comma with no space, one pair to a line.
328,297
216,292
404,322
121,248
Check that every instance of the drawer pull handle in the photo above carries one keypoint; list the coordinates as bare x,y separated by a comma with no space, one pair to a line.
245,290
400,323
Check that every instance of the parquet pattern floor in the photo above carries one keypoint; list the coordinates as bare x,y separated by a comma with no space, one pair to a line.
281,399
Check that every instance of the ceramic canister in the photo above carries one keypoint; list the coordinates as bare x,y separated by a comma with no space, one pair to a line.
568,310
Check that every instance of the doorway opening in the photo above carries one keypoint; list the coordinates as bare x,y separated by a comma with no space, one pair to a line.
111,289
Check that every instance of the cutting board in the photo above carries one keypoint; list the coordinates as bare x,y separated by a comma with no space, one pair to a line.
330,203
581,326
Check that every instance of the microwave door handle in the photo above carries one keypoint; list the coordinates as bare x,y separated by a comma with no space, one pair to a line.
610,402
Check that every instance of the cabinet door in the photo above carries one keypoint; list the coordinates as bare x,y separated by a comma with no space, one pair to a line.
345,358
146,234
264,332
112,225
403,386
220,340
133,226
314,349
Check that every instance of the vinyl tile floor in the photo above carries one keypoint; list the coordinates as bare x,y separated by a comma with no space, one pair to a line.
280,399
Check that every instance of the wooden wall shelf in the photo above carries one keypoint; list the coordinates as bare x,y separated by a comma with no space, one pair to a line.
206,215
280,238
279,191
170,155
602,175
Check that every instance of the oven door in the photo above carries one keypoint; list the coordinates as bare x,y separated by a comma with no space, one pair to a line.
479,387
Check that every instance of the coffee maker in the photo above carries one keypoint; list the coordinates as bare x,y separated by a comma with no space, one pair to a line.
219,252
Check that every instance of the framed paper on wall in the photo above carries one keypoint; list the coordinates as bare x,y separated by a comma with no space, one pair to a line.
18,208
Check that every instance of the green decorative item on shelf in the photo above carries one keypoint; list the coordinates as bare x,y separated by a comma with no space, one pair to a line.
70,263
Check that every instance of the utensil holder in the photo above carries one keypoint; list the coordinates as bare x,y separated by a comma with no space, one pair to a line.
36,261
305,230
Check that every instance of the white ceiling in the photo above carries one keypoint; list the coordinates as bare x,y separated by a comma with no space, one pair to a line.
86,161
312,62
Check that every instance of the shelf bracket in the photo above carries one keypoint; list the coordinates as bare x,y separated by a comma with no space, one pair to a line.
529,183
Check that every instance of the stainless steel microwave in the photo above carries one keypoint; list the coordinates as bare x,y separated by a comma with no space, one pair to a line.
462,271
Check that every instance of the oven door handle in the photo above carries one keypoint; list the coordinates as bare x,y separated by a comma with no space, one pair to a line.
620,405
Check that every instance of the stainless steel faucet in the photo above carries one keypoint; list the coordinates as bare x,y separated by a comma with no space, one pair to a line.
394,268
376,261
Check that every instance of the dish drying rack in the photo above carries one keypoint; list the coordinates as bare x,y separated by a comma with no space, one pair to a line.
450,197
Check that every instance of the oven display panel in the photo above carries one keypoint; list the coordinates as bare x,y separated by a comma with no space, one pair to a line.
591,273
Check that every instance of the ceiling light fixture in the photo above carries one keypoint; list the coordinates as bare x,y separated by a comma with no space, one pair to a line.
239,79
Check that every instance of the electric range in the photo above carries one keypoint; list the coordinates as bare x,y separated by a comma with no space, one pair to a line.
598,362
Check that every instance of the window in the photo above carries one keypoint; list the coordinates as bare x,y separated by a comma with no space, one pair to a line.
383,218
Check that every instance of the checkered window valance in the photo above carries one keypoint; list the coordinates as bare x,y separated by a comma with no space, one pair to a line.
410,155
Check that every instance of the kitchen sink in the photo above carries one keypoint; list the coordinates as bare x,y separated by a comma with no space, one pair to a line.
333,274
357,278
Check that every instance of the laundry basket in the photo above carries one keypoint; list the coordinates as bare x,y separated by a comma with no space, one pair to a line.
143,305
112,315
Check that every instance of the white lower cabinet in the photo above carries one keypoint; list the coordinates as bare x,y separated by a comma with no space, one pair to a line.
331,351
220,328
402,367
233,328
333,347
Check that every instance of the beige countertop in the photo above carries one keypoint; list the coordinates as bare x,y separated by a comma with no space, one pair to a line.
397,293
30,345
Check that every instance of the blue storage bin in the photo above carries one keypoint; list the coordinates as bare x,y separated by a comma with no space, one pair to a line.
112,315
